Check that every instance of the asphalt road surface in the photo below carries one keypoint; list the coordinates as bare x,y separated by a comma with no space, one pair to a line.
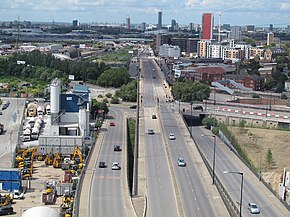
161,198
106,191
232,182
11,118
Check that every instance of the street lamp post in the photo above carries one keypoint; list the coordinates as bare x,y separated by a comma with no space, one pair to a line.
213,162
242,183
190,119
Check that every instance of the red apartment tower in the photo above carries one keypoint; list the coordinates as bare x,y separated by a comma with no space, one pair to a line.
207,26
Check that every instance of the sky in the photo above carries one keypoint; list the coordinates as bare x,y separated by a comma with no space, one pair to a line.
234,12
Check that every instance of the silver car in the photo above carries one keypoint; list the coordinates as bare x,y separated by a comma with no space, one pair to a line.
171,136
115,166
181,162
253,208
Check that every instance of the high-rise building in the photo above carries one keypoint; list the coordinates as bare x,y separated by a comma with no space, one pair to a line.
159,25
173,25
250,28
203,48
271,27
143,26
75,23
235,33
270,38
207,26
128,22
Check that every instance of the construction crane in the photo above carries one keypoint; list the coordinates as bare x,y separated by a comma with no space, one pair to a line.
219,24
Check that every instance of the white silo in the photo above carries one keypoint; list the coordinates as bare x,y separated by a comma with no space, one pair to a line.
42,211
84,122
55,101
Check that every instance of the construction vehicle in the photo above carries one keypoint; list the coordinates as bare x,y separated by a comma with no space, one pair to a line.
78,157
49,159
57,161
67,203
49,195
27,173
31,110
41,157
26,135
1,128
28,153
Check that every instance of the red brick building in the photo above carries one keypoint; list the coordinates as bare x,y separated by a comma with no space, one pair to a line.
253,81
209,74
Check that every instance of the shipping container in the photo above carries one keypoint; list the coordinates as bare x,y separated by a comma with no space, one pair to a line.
11,185
10,175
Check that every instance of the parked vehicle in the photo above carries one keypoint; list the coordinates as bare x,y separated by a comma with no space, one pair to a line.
18,194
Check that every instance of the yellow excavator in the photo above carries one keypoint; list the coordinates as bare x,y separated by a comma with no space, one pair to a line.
78,158
49,159
22,154
57,161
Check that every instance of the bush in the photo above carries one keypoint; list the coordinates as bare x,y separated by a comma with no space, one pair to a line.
109,95
209,121
115,100
100,96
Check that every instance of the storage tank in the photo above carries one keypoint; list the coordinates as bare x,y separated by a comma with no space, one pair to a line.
55,101
42,211
39,110
47,109
84,122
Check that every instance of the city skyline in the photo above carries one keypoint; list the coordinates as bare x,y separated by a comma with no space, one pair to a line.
250,12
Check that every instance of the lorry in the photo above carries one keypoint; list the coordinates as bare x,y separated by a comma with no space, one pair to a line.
26,135
31,110
40,111
34,133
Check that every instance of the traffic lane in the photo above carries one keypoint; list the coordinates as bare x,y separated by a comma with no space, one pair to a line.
232,182
110,201
148,95
193,192
161,199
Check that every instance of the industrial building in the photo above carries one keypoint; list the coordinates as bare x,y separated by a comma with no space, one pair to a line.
68,125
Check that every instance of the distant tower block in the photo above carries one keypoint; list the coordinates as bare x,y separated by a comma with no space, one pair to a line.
55,101
159,25
270,38
128,22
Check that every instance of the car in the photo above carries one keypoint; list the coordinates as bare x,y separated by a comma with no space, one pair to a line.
181,162
198,107
154,117
150,131
117,148
133,106
171,136
112,124
153,77
1,113
18,195
115,166
102,164
6,211
253,208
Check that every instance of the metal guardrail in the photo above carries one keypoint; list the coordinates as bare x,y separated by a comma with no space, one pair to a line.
230,205
81,180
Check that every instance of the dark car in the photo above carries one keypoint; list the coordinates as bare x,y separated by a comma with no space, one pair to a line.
6,211
150,132
133,106
102,164
198,107
154,117
112,124
117,148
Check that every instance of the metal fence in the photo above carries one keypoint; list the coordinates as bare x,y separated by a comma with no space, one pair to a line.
228,143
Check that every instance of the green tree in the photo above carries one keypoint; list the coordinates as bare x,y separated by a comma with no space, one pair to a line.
191,91
270,83
128,92
269,157
209,122
114,77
